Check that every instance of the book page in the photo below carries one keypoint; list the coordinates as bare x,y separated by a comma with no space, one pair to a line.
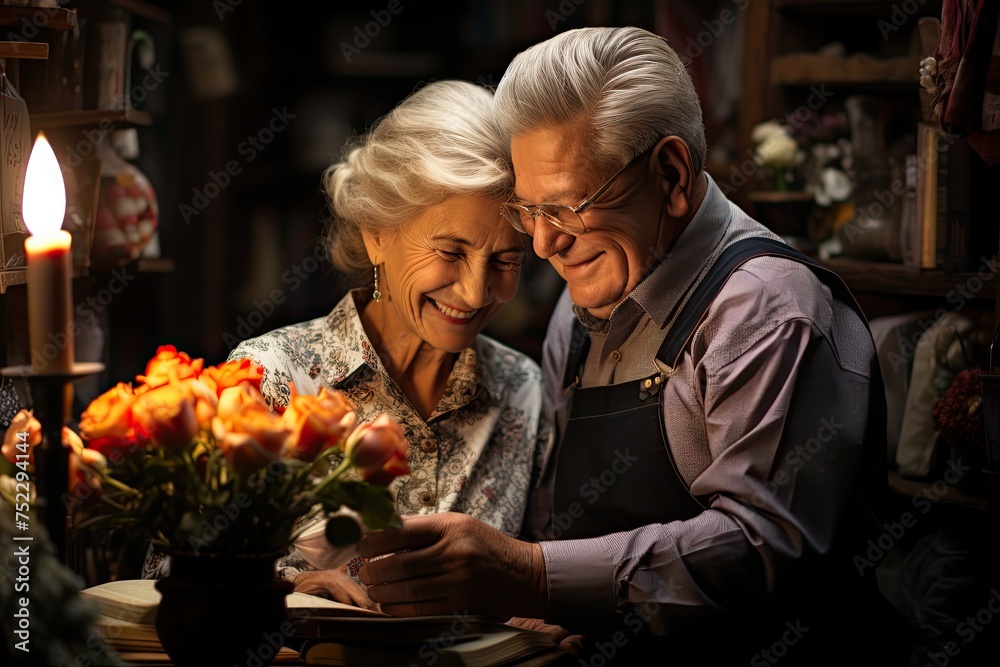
326,607
132,600
136,601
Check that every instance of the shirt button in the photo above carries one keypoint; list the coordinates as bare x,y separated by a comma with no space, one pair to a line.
426,498
427,445
616,356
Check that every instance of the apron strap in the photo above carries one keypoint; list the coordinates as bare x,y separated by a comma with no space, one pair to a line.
579,345
871,504
729,260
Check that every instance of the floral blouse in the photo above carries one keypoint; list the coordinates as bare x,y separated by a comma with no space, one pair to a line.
474,454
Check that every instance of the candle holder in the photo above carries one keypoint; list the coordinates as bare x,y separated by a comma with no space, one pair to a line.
52,397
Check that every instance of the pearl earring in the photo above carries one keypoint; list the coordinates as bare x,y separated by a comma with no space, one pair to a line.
376,294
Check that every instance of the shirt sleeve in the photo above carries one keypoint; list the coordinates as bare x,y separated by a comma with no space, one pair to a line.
784,422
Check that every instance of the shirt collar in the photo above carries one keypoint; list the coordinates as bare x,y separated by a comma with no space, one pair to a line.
344,328
467,378
344,324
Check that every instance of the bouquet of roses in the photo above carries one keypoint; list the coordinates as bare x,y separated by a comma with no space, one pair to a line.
192,458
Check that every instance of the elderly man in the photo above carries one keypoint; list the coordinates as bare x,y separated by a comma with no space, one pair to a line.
717,461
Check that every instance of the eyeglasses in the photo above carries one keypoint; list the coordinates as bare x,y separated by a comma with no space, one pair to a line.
563,217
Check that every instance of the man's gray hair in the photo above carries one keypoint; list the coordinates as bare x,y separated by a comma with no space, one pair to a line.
441,141
628,83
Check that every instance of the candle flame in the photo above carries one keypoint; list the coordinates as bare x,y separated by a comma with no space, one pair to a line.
43,204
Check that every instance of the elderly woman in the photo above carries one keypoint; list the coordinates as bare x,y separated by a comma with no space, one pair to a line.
415,206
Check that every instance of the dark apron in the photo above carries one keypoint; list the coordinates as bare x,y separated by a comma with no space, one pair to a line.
615,472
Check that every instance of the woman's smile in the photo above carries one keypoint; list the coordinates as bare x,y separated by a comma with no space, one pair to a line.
455,314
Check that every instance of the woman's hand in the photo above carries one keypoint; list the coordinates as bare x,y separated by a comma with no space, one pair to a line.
568,642
333,584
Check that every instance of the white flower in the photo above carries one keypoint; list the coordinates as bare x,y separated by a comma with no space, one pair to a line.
762,131
834,186
779,150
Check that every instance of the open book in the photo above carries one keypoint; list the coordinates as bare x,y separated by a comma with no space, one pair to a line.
136,601
127,618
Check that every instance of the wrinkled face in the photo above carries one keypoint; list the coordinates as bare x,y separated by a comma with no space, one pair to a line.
448,271
602,266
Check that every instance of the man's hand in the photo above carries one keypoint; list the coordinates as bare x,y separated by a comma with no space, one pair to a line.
448,562
334,584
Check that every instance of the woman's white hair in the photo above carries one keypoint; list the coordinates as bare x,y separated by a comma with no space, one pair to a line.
627,83
441,141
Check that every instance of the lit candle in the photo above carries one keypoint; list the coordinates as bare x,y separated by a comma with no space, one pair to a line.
50,294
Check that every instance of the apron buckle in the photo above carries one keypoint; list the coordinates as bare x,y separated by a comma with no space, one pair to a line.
650,386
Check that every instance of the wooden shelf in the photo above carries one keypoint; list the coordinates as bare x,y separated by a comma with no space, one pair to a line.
888,278
154,265
42,18
24,50
92,117
779,197
910,488
804,69
145,10
141,265
8,277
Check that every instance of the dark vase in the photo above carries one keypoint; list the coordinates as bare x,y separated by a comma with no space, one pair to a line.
221,610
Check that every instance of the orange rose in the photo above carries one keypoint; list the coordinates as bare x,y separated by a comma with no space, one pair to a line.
108,424
379,450
23,422
233,373
267,428
202,395
251,436
84,466
206,403
167,414
318,422
244,454
168,364
234,400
